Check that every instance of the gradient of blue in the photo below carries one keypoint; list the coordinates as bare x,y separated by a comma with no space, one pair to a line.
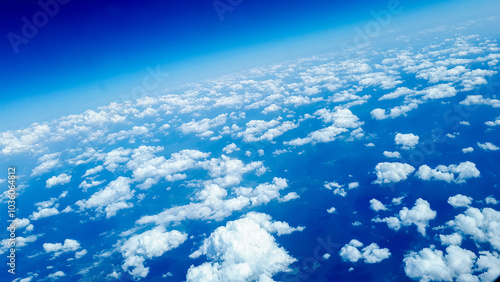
91,51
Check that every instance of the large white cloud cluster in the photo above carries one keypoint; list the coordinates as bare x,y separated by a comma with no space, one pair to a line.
243,250
392,172
147,245
407,141
452,173
370,254
419,215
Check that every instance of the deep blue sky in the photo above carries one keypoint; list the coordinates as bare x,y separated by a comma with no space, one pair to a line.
91,51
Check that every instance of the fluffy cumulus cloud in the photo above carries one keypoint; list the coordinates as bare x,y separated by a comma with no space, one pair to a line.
58,180
380,114
377,205
459,200
488,146
149,169
20,242
452,173
400,91
439,92
468,150
203,126
324,135
388,154
44,212
56,275
48,162
392,172
340,117
430,264
147,245
493,123
481,225
370,254
407,141
230,148
419,215
259,130
110,199
479,100
226,171
69,245
243,250
213,203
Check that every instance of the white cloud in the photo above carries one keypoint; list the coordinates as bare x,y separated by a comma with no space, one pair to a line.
227,171
230,148
392,172
370,254
481,226
42,213
331,210
452,239
116,157
58,180
479,100
459,201
465,170
430,264
377,205
94,170
56,275
48,162
468,150
243,250
26,140
380,114
400,91
288,197
268,130
439,92
324,135
396,155
85,185
353,185
203,125
21,223
20,242
213,204
493,123
408,141
340,117
419,215
271,108
69,245
150,169
149,244
110,199
487,146
489,262
80,254
490,200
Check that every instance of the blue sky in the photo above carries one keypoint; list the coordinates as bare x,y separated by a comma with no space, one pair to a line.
361,160
90,52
